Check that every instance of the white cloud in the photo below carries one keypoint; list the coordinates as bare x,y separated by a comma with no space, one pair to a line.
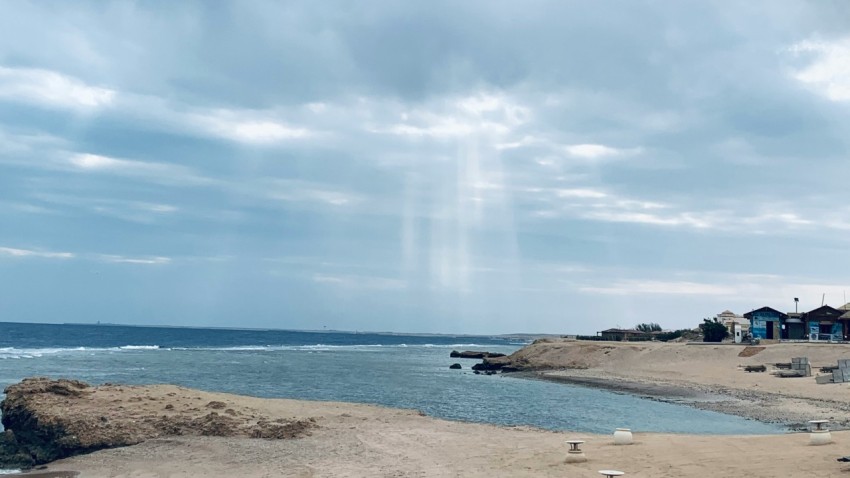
51,89
360,282
94,162
597,151
580,193
638,287
681,219
741,292
157,208
482,113
27,142
158,172
290,190
14,252
829,72
149,260
607,206
247,127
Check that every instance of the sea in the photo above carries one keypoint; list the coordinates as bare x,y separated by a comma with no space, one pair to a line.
393,370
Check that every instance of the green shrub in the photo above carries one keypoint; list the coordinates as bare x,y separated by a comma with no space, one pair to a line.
713,331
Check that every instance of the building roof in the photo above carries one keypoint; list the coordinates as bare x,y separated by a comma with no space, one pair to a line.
749,314
825,310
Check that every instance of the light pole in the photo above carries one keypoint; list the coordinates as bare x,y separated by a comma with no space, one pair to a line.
796,299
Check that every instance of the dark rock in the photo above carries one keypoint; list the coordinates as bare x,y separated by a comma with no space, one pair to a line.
455,366
11,454
509,369
483,366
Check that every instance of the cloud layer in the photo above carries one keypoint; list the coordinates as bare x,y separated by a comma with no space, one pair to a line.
479,167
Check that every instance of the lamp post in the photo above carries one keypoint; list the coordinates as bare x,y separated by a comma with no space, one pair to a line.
796,299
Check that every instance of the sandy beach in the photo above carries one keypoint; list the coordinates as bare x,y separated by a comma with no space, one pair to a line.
708,376
360,441
364,441
351,440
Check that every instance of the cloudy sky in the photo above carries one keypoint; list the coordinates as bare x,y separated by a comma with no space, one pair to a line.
468,167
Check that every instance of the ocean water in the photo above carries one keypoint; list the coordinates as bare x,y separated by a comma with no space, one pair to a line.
405,371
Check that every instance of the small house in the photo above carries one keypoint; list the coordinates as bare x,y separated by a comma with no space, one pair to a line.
624,335
766,323
825,324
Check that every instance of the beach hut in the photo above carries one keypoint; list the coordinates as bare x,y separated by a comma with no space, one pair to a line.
624,335
766,323
825,324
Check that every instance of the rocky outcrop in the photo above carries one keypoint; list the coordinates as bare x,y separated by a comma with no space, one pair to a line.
496,364
46,420
474,354
455,366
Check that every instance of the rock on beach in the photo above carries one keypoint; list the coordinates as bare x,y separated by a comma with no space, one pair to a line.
46,420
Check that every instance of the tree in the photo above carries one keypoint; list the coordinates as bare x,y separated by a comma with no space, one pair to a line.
713,331
650,327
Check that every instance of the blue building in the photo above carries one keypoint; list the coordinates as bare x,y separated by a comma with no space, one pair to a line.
766,323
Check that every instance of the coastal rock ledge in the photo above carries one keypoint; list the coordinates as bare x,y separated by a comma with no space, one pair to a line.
46,420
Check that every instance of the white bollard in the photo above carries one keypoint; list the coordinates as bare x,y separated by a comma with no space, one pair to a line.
819,432
575,455
623,436
820,437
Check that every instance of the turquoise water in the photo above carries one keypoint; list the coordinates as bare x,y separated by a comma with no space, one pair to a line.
391,370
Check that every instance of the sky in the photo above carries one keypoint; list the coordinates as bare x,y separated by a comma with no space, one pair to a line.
457,167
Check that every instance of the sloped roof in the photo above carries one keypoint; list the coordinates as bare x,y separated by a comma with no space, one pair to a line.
750,314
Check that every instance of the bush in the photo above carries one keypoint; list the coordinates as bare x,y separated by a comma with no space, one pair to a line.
588,337
668,336
713,331
650,327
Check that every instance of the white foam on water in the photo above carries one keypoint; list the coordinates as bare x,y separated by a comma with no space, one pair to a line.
9,472
278,348
16,353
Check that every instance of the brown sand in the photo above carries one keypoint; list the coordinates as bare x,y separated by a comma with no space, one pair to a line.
351,440
706,376
363,441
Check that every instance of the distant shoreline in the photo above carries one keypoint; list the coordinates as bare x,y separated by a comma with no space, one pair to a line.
518,336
